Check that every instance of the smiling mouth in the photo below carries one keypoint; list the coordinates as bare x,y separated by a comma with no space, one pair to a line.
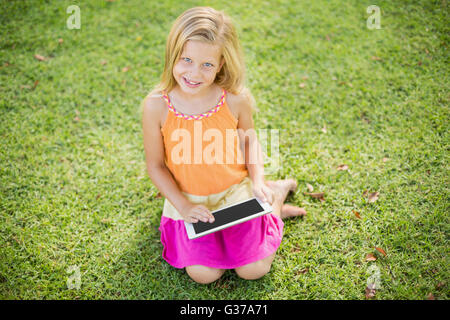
191,82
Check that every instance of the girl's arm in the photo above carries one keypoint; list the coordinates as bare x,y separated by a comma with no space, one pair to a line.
252,149
157,170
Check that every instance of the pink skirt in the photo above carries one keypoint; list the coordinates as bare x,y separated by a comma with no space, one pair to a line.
230,248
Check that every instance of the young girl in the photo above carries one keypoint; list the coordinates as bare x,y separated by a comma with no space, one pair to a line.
202,90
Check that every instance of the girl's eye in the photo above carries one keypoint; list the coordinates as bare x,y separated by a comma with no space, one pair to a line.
208,64
187,59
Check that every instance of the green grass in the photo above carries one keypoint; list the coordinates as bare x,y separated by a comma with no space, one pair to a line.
73,184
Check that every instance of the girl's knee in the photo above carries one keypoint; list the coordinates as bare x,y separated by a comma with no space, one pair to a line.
203,274
254,270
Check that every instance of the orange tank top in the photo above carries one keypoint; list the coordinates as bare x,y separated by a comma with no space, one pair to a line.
202,151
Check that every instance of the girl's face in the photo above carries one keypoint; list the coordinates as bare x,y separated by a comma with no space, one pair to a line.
197,67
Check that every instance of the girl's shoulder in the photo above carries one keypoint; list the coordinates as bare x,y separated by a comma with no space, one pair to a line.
240,103
155,106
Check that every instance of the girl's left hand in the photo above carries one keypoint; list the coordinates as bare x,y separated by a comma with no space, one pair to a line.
263,192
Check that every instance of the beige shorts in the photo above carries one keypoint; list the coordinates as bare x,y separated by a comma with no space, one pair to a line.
235,193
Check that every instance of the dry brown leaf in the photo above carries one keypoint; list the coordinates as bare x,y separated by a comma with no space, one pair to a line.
357,214
35,84
373,197
381,251
39,57
342,167
318,195
370,257
365,192
370,291
303,271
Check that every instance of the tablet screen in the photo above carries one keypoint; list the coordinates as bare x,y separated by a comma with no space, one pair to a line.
230,214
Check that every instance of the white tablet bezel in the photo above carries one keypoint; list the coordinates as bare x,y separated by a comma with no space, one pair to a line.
267,208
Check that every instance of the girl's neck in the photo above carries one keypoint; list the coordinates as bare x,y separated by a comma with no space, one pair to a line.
207,94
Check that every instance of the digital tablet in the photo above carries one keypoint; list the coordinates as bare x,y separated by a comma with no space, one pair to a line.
228,216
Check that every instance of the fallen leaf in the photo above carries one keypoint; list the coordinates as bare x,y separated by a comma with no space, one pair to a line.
318,195
39,57
342,167
381,251
370,291
419,63
310,187
430,296
373,197
35,84
356,214
365,192
364,117
158,195
303,271
370,257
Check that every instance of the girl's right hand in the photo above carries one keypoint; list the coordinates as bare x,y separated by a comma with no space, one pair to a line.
192,213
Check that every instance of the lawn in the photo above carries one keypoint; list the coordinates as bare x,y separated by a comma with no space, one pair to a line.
75,194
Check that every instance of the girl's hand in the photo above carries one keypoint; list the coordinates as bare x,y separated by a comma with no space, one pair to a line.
192,213
263,192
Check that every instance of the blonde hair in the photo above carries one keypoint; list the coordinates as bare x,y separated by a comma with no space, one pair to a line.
213,27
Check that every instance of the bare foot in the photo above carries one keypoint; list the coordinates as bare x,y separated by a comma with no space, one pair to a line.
282,187
288,210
